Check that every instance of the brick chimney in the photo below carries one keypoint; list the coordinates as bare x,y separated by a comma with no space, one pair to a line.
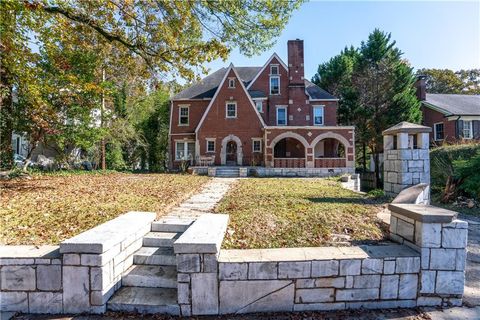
421,88
296,71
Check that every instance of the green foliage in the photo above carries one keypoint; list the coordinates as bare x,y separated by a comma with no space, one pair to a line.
468,171
443,159
450,82
375,87
376,194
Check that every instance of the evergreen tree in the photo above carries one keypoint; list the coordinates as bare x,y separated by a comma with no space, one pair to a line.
376,90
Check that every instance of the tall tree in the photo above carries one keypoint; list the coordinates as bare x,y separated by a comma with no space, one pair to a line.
375,93
441,81
170,37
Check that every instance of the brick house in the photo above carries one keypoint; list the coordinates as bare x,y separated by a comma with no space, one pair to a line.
451,116
268,116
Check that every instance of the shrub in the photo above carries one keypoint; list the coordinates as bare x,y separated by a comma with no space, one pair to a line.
445,179
376,193
468,171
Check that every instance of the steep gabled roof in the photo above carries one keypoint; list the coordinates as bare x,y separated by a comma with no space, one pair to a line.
274,56
206,87
454,104
231,67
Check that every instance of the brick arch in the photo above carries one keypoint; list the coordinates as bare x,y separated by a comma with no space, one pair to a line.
332,135
223,151
289,134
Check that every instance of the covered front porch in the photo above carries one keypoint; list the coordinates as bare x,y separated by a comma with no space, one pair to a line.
310,147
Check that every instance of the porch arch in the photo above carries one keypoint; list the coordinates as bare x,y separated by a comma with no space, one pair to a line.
334,158
332,135
223,151
289,134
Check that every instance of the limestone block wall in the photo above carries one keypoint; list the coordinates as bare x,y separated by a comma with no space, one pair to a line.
78,276
403,165
441,239
302,172
302,279
31,279
424,268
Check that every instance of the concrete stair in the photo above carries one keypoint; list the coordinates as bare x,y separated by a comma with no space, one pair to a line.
145,300
227,172
150,284
152,276
160,239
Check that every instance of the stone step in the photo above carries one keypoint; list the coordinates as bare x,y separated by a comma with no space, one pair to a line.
160,239
171,225
150,276
162,256
145,300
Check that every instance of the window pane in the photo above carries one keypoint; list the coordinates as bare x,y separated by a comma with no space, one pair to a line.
439,131
274,85
256,146
191,150
180,150
274,69
210,146
183,115
318,116
467,129
259,106
231,110
281,116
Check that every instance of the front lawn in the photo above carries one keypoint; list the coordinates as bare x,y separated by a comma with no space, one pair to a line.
50,208
273,213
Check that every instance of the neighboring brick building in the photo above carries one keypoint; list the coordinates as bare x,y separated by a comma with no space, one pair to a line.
451,116
260,116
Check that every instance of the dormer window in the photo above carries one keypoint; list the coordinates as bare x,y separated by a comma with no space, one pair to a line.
274,85
231,83
274,69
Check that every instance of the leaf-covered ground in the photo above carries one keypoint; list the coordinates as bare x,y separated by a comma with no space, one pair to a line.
49,209
273,213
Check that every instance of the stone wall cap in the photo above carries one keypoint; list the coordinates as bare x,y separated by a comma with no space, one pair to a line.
406,127
103,237
423,213
205,235
30,251
410,194
315,253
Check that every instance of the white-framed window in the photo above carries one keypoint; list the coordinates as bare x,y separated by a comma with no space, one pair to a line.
259,105
467,129
274,69
231,109
318,116
281,116
210,145
184,150
257,145
183,115
231,82
274,85
438,131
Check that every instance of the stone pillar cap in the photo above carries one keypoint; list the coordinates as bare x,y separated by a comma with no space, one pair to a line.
423,213
406,127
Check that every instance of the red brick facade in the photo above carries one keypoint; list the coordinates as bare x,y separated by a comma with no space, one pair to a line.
231,136
431,117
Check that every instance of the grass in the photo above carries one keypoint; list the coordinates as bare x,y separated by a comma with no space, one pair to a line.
47,209
273,213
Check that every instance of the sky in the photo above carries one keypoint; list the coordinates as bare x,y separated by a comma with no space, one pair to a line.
444,35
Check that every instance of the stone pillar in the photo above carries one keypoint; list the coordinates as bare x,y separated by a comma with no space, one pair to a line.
406,157
441,240
94,261
212,171
197,252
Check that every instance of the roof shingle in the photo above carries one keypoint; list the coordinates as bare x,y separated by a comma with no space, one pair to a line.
455,104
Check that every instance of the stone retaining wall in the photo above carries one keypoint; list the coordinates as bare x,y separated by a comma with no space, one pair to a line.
424,268
302,172
31,279
78,276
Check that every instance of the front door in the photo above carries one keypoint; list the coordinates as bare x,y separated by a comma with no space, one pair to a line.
231,153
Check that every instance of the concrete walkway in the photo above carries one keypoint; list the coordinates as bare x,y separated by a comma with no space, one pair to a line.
202,202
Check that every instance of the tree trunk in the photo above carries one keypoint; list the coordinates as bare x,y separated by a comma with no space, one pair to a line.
378,182
364,150
102,111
